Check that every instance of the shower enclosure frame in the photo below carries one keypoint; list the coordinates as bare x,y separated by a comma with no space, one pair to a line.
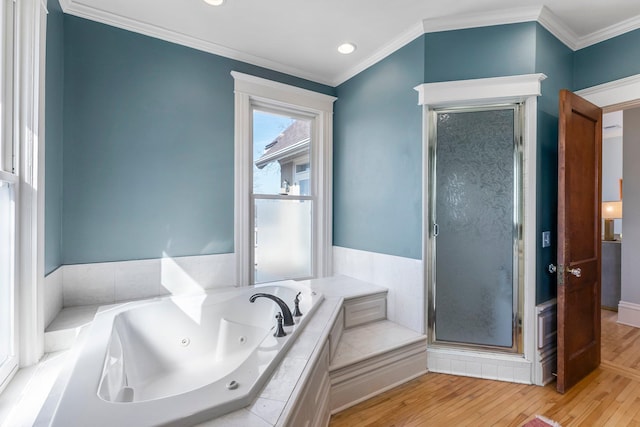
517,226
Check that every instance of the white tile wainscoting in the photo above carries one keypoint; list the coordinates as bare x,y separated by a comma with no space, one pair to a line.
110,282
403,277
53,299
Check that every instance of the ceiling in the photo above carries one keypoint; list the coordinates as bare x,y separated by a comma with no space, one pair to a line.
300,37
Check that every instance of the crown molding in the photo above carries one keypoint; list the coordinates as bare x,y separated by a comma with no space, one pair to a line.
610,32
72,7
484,19
555,26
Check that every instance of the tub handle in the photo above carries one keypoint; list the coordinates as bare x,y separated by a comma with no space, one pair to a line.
296,303
279,328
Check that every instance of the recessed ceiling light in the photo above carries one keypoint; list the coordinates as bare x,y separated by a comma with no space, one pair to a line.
214,2
346,48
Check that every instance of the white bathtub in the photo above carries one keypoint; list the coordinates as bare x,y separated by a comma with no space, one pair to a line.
178,360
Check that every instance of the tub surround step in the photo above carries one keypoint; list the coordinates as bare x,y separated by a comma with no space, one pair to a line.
365,341
365,309
67,325
373,358
362,303
369,354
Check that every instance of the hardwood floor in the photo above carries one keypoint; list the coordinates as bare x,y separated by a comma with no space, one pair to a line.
610,396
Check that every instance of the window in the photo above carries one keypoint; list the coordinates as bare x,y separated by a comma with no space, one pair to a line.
283,175
282,209
8,183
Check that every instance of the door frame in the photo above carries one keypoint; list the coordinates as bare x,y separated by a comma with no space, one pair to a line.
522,88
617,95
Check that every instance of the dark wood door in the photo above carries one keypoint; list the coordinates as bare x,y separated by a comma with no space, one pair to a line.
578,273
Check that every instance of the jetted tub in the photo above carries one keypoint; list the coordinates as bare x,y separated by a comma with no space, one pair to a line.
178,360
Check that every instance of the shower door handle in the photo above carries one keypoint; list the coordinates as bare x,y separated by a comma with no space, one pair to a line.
436,230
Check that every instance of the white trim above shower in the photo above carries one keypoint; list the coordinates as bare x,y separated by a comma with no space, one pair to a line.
511,89
489,90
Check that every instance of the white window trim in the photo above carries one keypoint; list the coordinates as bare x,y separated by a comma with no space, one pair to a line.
30,45
250,90
24,167
522,88
7,64
7,171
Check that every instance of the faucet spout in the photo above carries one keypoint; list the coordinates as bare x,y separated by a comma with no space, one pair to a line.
284,308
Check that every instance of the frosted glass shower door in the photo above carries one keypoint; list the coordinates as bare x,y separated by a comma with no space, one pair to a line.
475,218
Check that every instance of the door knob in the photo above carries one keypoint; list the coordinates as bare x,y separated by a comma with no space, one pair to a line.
575,271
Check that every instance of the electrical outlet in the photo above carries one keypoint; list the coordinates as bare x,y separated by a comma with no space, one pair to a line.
546,239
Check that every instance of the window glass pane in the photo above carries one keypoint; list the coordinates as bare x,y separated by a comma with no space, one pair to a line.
301,179
7,245
282,239
280,144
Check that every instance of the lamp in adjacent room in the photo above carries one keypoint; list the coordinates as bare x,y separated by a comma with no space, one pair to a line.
610,211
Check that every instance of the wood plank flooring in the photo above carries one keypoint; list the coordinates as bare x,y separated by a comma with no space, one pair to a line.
610,396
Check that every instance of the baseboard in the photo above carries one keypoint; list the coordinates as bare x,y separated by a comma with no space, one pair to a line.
629,314
492,366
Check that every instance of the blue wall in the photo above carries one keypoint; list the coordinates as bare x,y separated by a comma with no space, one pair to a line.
54,85
554,59
606,61
148,146
475,53
377,163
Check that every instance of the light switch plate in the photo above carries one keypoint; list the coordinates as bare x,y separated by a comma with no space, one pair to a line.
546,239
